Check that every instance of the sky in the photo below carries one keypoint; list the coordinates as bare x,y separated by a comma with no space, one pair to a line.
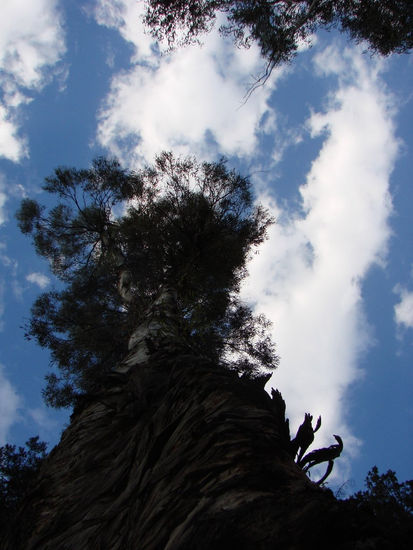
327,144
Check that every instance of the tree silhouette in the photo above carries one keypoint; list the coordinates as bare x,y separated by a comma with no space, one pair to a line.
173,442
18,468
279,27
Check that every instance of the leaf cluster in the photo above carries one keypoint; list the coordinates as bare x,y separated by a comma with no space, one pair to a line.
18,468
177,224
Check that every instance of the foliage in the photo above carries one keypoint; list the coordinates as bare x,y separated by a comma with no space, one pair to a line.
385,495
385,509
178,224
17,470
279,27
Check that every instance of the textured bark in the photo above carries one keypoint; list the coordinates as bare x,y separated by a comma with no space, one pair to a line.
179,454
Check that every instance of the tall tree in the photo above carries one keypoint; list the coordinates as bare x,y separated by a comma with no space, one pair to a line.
279,27
168,447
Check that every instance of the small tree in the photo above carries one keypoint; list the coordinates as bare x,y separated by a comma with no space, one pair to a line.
385,495
17,471
387,505
117,238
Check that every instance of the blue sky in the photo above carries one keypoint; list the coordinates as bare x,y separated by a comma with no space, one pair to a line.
328,146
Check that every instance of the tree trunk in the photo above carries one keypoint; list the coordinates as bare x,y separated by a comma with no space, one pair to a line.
179,454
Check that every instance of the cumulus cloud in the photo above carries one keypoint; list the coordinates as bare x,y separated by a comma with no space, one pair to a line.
190,101
31,42
9,404
307,277
12,146
403,310
38,279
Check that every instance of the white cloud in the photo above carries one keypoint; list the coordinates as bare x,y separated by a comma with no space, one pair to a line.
12,146
38,279
31,42
190,101
307,277
11,265
3,196
41,416
403,310
9,404
125,16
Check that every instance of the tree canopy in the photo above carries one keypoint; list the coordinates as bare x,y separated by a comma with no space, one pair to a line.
279,27
385,494
177,224
389,504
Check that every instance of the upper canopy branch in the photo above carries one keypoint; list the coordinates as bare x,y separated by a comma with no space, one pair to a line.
183,225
